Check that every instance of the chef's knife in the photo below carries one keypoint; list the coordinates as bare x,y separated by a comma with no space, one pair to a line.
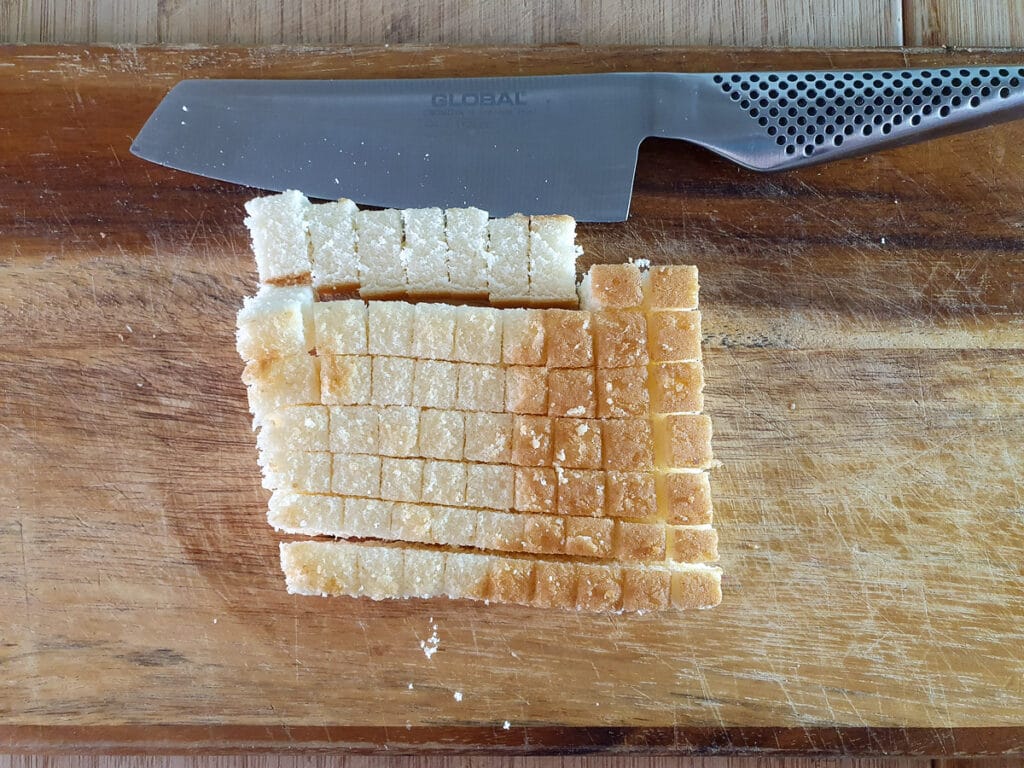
565,143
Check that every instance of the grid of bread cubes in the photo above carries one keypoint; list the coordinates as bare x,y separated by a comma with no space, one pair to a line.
484,437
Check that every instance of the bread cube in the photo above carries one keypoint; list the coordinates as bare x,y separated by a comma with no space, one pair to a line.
356,475
673,336
332,239
379,246
477,335
522,339
671,287
685,497
568,339
580,492
434,331
389,328
611,286
500,531
345,379
277,224
644,589
555,585
628,444
620,338
466,234
467,575
696,588
320,567
444,482
401,479
424,573
381,571
368,518
292,512
622,392
630,494
553,254
296,427
535,489
639,542
683,441
411,522
425,252
304,471
526,389
577,443
544,534
532,441
480,388
454,527
441,434
434,384
277,382
677,388
589,536
692,545
489,486
511,581
392,380
399,431
508,279
488,438
276,322
354,429
340,327
571,392
599,588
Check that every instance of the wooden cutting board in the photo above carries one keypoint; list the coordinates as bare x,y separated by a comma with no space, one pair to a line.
865,359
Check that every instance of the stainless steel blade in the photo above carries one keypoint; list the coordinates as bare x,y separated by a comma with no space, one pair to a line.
564,143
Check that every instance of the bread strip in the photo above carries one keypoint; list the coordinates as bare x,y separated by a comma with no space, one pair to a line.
425,252
332,237
508,279
553,253
280,243
379,247
466,235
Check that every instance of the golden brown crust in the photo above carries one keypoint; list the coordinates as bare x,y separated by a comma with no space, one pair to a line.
673,335
620,338
687,497
671,287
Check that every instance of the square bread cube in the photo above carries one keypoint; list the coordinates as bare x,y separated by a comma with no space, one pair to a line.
276,382
544,534
683,441
276,322
292,512
622,392
381,571
555,585
553,254
392,380
568,339
320,568
340,327
611,286
644,589
580,492
444,482
434,384
639,542
277,224
535,489
696,588
480,388
620,338
401,479
332,240
677,388
673,336
411,522
488,438
368,518
304,471
692,545
532,441
398,428
500,531
356,475
379,246
477,335
508,279
466,234
589,536
389,328
577,443
454,527
599,588
526,389
685,498
467,576
489,486
424,573
442,434
630,494
522,339
628,444
425,252
434,331
345,379
354,429
671,287
511,581
571,392
296,427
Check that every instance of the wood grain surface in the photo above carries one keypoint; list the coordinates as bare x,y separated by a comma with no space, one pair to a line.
865,325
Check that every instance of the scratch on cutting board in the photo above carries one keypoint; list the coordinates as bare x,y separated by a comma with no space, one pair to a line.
24,573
